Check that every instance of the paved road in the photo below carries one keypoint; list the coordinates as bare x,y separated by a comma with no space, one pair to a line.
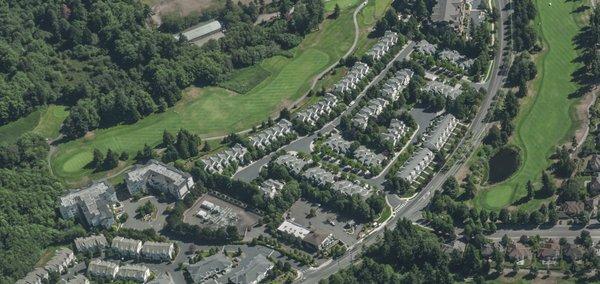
319,76
557,232
413,207
302,144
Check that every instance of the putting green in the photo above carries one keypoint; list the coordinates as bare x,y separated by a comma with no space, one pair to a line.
546,119
215,111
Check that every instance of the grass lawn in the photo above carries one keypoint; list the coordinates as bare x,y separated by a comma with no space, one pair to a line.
50,121
244,80
216,111
546,119
385,214
330,4
45,121
367,18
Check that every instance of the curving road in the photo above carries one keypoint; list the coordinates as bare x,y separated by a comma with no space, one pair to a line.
411,209
303,143
320,75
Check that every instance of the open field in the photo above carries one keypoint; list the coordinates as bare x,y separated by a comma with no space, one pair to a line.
45,121
244,80
215,111
546,119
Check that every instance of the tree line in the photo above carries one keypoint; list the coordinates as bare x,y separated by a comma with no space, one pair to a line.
100,58
28,199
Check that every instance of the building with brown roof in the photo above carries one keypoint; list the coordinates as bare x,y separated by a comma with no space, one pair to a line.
518,252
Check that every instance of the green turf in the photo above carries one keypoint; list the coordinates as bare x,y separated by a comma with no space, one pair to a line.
45,121
216,111
330,4
11,131
546,119
367,18
244,80
50,121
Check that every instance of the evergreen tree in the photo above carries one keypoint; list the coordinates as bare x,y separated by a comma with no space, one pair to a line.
336,11
548,187
111,161
98,159
170,154
168,139
529,190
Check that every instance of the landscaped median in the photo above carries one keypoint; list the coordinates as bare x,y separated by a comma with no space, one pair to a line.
547,117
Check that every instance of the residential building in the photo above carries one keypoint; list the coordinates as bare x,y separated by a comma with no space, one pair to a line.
293,163
314,112
441,132
36,276
217,162
138,273
349,188
266,137
62,259
416,165
573,252
456,58
594,163
373,108
594,185
251,270
384,44
162,278
77,279
354,75
549,253
103,269
395,132
158,251
126,247
93,204
159,176
453,12
338,144
518,252
201,31
426,48
368,157
487,251
293,229
319,176
270,187
404,76
572,208
95,243
211,267
442,89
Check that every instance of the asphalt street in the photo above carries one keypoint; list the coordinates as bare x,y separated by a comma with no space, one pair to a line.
302,144
413,207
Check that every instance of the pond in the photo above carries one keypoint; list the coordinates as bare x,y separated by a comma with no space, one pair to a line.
503,164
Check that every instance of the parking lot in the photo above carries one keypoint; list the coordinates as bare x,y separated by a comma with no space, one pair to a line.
157,222
243,219
324,221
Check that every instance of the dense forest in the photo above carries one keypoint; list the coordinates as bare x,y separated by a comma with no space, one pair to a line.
28,194
406,254
101,58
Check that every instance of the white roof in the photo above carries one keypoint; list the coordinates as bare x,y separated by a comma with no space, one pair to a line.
293,229
201,30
